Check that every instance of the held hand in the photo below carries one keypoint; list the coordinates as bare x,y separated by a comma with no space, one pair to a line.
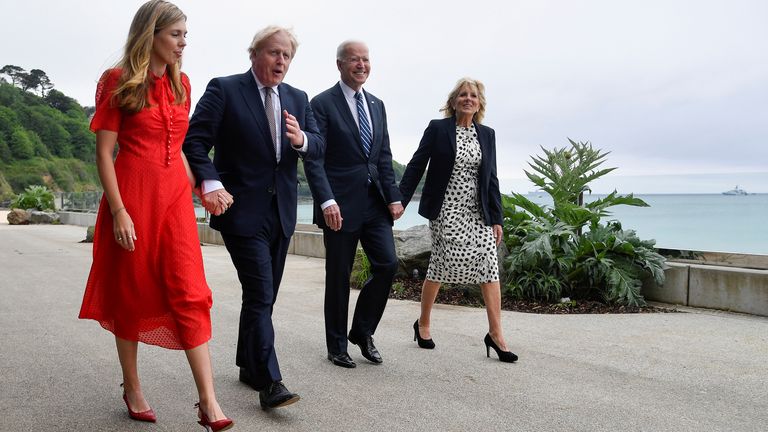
293,130
332,215
396,210
217,202
198,192
498,234
122,227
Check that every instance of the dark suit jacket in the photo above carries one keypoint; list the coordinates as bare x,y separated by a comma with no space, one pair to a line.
342,173
438,148
230,117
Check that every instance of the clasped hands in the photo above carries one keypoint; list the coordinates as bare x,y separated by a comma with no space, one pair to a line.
217,201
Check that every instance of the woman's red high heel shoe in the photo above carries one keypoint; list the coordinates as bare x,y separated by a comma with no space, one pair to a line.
216,426
145,416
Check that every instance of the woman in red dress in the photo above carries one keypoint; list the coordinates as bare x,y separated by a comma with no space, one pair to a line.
147,282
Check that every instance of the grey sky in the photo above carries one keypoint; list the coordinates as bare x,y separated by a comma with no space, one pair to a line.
675,89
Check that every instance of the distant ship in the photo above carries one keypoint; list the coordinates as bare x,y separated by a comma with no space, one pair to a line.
736,191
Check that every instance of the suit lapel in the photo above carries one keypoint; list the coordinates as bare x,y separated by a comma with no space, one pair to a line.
343,107
377,121
452,134
250,91
482,138
284,105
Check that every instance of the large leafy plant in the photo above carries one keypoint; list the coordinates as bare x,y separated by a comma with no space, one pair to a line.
34,197
566,249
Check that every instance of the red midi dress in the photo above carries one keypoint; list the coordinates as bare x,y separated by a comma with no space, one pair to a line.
156,294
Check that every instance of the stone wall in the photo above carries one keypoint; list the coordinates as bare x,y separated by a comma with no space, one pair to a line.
714,287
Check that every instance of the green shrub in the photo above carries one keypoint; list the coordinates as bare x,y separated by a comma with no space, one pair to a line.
34,197
361,270
566,249
6,192
398,287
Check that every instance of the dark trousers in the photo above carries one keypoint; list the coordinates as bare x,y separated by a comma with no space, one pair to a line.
375,235
259,261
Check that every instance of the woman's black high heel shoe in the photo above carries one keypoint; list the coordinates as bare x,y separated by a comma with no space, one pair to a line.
423,343
505,356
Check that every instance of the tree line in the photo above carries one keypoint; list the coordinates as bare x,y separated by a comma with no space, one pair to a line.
44,135
35,80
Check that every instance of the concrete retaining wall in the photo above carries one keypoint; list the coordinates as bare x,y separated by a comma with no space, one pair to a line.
77,218
306,240
715,287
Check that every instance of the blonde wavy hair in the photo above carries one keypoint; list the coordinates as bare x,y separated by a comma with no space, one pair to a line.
135,81
267,32
449,108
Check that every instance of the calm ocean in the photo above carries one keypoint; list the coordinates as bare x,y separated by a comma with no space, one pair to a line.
704,222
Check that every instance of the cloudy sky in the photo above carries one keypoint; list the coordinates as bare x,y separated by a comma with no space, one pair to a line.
676,90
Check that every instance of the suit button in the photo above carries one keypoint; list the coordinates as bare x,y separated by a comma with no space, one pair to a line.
271,190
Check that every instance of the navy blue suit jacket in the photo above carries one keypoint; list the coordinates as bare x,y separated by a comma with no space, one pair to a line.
438,148
230,117
342,173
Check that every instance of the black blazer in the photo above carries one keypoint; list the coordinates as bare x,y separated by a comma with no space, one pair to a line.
342,173
230,117
438,148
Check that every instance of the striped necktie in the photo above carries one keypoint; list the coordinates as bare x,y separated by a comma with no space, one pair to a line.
365,129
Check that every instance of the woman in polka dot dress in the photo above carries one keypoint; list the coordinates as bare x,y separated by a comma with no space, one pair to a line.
461,199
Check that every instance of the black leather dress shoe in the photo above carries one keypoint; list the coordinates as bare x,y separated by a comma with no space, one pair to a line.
245,378
276,396
367,348
342,359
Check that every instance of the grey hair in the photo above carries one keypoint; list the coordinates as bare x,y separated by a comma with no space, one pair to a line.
344,45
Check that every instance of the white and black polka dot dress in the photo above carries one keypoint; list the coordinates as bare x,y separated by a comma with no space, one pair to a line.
463,247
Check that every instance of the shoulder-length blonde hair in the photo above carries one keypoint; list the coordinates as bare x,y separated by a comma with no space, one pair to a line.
135,81
449,108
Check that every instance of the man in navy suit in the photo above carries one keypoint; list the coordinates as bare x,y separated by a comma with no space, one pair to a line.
259,127
356,199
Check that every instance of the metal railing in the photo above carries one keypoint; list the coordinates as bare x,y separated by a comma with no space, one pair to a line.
88,202
78,201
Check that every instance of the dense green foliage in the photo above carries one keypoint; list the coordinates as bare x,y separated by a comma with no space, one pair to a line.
44,139
550,253
34,197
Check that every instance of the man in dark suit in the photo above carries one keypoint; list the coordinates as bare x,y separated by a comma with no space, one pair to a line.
356,199
259,127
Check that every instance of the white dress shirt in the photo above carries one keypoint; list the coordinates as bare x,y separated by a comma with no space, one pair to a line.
349,95
213,185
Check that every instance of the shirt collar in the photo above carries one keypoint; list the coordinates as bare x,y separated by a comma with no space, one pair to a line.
261,86
348,91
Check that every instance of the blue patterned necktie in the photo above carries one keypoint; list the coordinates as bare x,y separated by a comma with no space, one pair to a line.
365,129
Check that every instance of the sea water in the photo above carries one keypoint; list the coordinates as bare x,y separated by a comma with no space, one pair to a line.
703,222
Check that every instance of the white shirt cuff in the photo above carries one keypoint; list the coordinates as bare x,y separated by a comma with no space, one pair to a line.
327,204
395,202
211,185
303,148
